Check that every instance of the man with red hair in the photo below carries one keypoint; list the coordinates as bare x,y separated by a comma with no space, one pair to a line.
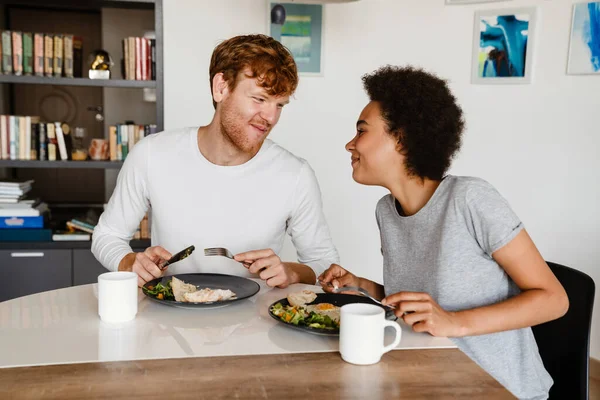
224,184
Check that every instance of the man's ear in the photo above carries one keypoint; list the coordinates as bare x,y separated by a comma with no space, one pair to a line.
219,87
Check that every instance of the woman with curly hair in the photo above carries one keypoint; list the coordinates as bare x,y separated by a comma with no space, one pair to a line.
457,261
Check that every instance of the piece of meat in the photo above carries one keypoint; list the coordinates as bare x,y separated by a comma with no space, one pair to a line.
208,295
300,299
180,288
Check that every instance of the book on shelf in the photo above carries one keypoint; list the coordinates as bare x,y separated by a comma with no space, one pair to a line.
9,199
27,53
15,187
139,58
18,202
48,54
57,66
7,61
41,54
36,211
68,56
60,138
38,54
13,129
27,138
17,52
16,211
80,226
77,56
52,142
22,222
66,235
4,138
42,142
21,144
122,138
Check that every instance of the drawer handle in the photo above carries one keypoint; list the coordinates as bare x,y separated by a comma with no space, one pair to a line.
23,255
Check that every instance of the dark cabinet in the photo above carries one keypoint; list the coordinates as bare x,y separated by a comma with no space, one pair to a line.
25,272
28,268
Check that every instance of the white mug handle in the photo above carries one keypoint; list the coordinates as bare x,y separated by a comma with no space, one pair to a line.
398,330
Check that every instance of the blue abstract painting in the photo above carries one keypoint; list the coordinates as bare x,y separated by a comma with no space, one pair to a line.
584,48
503,46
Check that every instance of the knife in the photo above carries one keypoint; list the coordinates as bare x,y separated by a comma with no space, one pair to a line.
178,257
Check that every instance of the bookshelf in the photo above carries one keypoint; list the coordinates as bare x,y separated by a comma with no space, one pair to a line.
97,5
55,254
61,164
43,80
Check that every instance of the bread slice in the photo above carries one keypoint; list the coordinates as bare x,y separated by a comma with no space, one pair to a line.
180,288
300,299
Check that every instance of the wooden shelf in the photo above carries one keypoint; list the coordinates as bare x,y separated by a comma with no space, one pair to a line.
60,164
43,80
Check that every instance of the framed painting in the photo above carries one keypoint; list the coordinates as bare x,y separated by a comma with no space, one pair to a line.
584,45
299,27
453,2
503,46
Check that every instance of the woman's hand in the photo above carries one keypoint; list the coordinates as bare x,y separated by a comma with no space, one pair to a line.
335,277
423,314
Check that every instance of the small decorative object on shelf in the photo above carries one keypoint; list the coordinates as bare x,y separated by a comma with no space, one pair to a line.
99,149
100,64
79,152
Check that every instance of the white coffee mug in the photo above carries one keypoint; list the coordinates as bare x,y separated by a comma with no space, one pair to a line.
117,296
362,328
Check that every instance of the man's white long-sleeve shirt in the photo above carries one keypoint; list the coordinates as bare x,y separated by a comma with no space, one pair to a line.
195,202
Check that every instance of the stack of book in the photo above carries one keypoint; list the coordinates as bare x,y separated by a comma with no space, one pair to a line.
26,138
122,137
139,58
41,54
83,228
77,230
21,219
143,231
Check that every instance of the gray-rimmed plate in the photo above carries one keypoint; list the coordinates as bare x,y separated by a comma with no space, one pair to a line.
337,299
242,287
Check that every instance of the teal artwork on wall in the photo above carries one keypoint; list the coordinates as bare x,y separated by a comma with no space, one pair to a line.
301,33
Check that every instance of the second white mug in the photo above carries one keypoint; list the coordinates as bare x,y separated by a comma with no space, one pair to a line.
362,328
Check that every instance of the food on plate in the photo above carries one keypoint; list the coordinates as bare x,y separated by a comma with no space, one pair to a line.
319,316
299,299
208,295
178,290
327,309
160,291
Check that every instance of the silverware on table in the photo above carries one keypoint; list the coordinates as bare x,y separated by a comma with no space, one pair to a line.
221,251
364,293
177,257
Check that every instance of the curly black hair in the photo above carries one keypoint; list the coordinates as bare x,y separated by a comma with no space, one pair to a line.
421,113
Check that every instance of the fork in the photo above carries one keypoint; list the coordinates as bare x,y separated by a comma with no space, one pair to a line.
221,251
364,293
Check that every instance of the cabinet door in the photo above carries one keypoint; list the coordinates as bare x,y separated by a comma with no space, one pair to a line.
24,272
86,268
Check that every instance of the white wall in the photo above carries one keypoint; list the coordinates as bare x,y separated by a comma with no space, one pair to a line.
536,143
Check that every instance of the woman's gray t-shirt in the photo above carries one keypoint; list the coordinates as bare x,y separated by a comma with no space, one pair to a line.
445,250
